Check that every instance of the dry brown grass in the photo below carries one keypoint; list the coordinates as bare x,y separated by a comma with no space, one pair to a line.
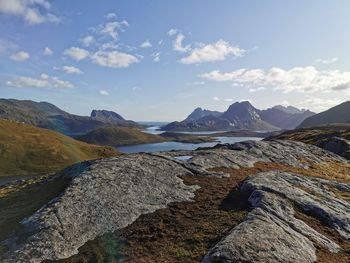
28,150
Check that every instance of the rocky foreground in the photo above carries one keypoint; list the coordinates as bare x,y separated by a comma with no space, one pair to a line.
296,208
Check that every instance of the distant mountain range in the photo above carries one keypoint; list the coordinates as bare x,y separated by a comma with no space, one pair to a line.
242,115
337,114
46,115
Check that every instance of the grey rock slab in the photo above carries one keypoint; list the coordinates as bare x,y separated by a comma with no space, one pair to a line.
271,232
110,194
337,145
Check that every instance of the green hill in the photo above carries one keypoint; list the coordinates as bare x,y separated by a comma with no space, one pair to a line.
116,136
111,135
28,150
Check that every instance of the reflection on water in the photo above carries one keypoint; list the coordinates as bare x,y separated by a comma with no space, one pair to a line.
168,146
153,130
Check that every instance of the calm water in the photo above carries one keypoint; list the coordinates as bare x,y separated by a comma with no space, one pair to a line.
168,146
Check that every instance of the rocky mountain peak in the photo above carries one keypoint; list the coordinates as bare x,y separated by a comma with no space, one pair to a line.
105,115
199,113
289,109
243,110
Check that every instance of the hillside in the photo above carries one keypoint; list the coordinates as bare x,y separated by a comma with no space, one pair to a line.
116,136
337,114
46,115
28,150
111,135
334,138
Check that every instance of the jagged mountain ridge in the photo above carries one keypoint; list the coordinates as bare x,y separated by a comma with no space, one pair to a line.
283,119
242,115
199,113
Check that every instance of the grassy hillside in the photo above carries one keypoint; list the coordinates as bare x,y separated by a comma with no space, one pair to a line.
26,150
111,135
316,135
337,114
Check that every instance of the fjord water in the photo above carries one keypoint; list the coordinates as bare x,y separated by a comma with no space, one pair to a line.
169,146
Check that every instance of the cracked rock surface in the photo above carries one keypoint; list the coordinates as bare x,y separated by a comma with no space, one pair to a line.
107,196
271,232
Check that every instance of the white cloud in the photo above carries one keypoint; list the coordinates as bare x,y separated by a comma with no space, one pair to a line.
156,57
160,42
104,93
172,32
47,51
195,83
44,81
69,70
178,46
319,104
112,29
20,56
327,60
256,89
6,46
32,11
298,79
62,84
111,16
76,53
146,44
230,99
113,59
109,45
218,51
88,40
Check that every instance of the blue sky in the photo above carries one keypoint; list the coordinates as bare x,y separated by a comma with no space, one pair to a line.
158,60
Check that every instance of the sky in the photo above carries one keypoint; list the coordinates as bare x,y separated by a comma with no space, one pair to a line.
157,60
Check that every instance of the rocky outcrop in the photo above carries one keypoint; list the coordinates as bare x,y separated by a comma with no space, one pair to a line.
112,193
109,195
333,138
272,233
337,145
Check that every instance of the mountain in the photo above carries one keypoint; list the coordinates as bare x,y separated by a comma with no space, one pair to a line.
288,109
285,118
111,117
46,115
240,115
199,113
244,116
28,150
337,114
